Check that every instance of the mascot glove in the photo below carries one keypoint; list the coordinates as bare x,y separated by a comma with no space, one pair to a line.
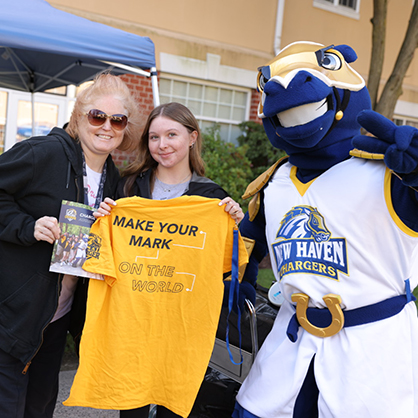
246,291
399,144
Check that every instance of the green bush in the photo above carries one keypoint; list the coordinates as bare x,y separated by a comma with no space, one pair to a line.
258,147
415,293
265,278
226,164
234,167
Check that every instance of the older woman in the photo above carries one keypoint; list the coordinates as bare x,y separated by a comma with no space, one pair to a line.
35,176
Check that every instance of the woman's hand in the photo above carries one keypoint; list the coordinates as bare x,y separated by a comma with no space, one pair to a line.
105,208
233,208
47,229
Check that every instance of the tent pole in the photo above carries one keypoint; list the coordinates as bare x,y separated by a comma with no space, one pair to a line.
154,83
152,74
128,68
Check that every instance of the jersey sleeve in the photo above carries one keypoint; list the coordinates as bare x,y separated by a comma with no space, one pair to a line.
99,253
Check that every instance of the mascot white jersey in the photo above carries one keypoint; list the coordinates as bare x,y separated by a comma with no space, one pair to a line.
341,227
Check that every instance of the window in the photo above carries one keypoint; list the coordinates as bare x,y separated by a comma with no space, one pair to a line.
349,8
46,117
352,4
210,104
399,121
61,91
16,115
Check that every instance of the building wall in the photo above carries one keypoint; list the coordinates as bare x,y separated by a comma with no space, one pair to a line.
223,42
326,27
191,28
242,32
219,44
318,25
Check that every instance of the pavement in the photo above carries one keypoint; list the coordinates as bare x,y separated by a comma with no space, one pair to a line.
66,379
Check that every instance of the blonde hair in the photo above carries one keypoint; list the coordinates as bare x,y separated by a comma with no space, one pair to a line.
144,161
106,84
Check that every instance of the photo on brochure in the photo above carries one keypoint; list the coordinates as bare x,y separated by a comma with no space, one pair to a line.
69,253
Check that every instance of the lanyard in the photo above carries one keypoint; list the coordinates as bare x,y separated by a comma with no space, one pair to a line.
234,292
99,196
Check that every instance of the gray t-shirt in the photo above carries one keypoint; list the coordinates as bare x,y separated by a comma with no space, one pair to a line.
163,191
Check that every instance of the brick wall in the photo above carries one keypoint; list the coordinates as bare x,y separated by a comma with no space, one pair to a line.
255,99
142,90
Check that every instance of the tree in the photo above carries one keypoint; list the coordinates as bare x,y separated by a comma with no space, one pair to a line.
378,21
393,87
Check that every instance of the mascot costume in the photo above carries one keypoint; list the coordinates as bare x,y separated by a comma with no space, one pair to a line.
339,217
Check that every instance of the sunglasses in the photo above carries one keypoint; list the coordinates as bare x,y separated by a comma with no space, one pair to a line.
97,118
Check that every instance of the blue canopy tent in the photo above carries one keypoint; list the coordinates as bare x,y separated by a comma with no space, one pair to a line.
42,47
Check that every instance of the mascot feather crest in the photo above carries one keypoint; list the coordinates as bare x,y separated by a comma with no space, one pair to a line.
339,217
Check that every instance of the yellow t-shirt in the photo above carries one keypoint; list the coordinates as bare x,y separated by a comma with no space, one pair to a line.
151,324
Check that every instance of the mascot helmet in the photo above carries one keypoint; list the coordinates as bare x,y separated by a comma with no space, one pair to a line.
310,99
325,63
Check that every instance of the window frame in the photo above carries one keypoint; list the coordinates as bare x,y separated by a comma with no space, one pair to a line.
335,7
405,120
205,83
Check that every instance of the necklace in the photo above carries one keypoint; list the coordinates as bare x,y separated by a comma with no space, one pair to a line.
168,188
163,191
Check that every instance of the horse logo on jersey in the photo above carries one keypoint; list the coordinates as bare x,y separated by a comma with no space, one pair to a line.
304,222
304,245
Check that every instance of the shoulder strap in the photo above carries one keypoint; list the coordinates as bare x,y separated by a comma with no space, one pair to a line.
366,155
254,188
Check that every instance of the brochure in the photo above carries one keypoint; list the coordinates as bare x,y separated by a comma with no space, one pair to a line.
69,252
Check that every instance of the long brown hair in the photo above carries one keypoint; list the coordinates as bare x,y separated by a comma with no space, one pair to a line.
144,161
106,84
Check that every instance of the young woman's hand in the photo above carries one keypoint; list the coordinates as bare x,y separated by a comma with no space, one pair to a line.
233,208
105,208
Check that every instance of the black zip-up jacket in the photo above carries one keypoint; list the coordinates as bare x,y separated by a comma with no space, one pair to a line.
35,176
198,186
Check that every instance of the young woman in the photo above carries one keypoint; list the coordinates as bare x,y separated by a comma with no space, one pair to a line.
35,176
168,165
169,162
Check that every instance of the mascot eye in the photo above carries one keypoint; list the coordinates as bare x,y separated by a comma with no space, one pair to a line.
331,61
261,81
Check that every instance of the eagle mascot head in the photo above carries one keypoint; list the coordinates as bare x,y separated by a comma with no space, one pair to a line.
310,99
